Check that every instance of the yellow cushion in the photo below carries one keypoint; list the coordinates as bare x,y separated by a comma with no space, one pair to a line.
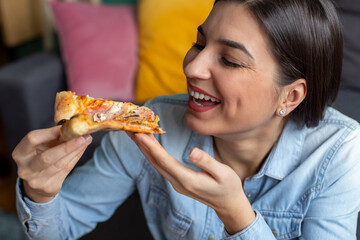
167,29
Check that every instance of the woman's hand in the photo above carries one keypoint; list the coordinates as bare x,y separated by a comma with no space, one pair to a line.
44,162
217,186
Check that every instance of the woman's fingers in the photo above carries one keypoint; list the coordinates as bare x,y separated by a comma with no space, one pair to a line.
44,185
44,162
36,138
210,186
62,157
207,163
63,150
40,153
58,156
162,160
166,164
181,177
50,179
68,163
169,164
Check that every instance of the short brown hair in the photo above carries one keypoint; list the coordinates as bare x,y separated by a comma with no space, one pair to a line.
305,38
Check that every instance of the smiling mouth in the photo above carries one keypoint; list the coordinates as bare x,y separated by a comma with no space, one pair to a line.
202,100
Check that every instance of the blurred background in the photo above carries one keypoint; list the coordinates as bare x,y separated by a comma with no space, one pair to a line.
20,36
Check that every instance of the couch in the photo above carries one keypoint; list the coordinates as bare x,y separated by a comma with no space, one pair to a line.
28,87
348,100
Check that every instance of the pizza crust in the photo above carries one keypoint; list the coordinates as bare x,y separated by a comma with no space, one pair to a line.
66,106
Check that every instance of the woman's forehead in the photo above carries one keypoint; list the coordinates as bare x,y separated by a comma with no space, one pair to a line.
233,21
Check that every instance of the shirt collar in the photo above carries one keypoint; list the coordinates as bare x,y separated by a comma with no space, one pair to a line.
282,160
200,141
286,153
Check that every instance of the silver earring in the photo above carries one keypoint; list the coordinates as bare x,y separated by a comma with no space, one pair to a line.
282,112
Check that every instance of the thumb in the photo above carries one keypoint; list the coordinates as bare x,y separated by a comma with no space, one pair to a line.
204,161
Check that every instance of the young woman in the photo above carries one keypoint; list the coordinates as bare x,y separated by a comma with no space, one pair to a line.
251,152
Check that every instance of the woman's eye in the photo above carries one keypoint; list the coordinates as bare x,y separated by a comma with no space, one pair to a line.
230,64
198,46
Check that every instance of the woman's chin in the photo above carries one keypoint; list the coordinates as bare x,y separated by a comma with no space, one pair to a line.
197,125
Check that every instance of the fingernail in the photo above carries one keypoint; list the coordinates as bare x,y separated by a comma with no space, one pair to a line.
87,138
81,140
195,154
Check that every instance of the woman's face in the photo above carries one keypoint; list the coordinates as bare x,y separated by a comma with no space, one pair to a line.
230,74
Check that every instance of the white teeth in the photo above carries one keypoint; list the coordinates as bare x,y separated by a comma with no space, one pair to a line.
198,95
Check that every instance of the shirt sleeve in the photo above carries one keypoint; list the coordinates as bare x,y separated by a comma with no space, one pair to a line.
89,195
258,229
33,214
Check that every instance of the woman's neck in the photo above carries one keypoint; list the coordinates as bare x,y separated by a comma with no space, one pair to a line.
246,152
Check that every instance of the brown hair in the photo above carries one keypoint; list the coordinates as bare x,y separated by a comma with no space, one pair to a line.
306,40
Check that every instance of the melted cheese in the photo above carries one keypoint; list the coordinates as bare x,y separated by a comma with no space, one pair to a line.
115,108
99,117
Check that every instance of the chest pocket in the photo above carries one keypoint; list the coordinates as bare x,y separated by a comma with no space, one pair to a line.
283,225
174,223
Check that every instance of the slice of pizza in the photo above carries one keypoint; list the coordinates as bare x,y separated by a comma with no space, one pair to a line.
81,115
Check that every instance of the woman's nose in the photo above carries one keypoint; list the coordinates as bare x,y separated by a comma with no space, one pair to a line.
197,65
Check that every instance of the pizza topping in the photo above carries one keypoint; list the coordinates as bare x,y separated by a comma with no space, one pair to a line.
81,115
140,113
99,117
119,111
147,113
101,109
132,113
96,107
116,108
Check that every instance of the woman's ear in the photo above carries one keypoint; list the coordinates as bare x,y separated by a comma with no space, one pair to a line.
293,95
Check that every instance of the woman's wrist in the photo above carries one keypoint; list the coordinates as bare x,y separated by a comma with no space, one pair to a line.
33,196
238,216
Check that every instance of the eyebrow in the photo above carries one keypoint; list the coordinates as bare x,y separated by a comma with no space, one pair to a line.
236,45
229,43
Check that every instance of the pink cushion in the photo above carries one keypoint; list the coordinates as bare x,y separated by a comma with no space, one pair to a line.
99,48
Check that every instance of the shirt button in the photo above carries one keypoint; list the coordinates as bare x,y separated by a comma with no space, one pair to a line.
211,237
249,195
274,232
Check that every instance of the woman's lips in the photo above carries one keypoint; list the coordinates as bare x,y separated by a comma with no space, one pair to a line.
201,101
200,91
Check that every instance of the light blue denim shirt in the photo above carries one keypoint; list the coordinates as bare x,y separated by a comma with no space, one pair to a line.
308,188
